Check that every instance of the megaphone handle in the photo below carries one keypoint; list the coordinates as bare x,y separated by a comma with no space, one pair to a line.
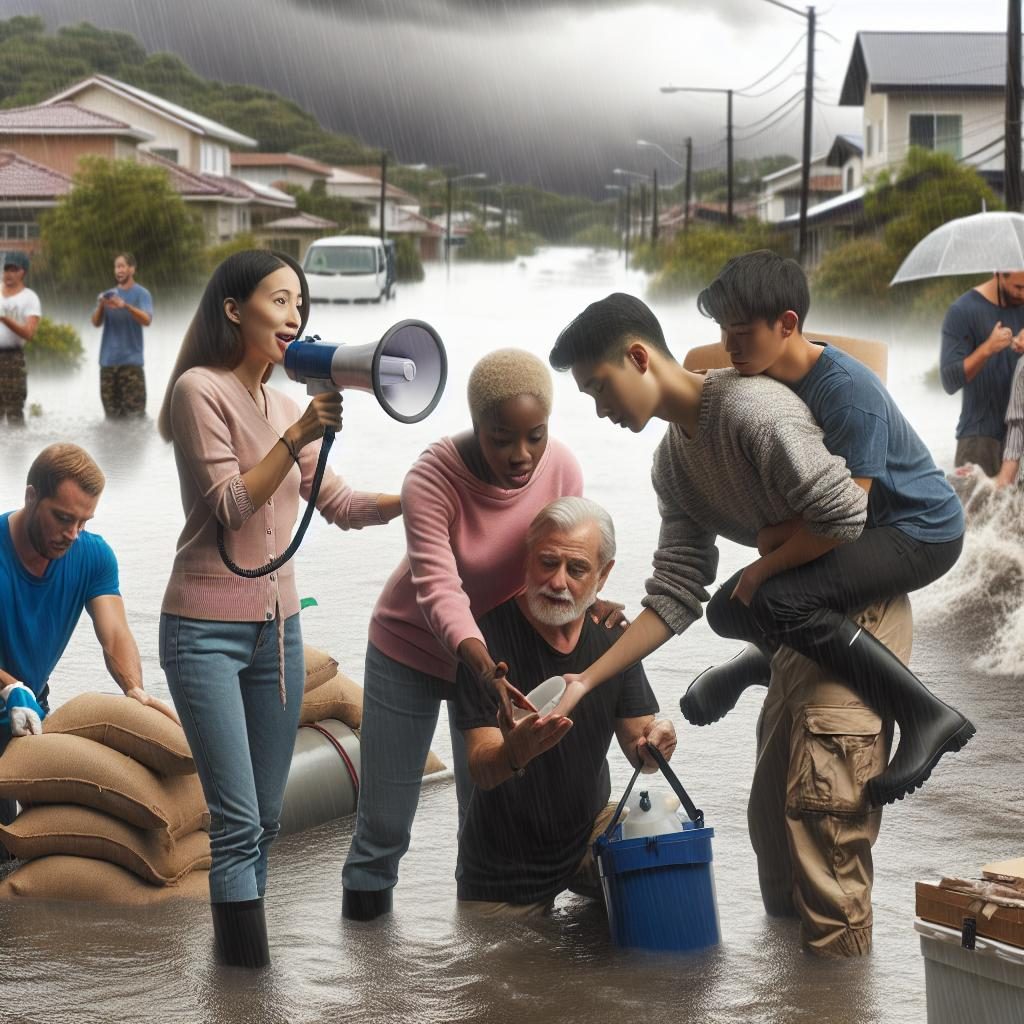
320,387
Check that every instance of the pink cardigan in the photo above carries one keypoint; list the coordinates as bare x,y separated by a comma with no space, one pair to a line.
465,552
219,434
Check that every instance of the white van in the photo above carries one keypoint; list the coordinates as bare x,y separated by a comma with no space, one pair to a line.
347,268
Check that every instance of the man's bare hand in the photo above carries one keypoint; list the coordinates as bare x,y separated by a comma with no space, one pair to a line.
530,737
1000,338
139,694
750,579
661,733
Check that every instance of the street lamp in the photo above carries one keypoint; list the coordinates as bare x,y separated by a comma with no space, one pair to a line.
622,228
643,192
450,180
687,167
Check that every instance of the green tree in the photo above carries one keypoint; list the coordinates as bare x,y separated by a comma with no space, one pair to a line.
121,205
54,346
408,265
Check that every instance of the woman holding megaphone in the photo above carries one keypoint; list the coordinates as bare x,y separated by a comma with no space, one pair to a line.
231,646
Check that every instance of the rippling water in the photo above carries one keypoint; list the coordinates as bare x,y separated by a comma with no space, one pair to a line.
428,962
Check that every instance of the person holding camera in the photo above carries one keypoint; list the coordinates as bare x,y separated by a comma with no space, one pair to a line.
231,646
122,312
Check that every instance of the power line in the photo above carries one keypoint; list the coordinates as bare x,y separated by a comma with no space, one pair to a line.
771,113
740,92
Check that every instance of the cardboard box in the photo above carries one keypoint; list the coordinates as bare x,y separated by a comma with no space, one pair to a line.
941,906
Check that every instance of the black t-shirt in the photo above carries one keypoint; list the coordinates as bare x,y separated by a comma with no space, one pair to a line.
523,840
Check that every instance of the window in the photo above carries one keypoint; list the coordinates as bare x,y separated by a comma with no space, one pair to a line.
337,259
790,203
941,132
867,140
168,153
213,158
849,179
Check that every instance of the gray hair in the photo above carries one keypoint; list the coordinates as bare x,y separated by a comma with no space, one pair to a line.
570,514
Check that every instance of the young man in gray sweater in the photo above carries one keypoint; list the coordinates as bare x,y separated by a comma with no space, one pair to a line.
741,456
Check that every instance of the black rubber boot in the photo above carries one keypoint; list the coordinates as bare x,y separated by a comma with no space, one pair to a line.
714,693
240,931
364,904
929,727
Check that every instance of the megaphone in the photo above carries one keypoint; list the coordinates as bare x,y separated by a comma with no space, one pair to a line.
406,370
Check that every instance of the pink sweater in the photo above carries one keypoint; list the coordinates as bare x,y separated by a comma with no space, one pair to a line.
465,552
219,434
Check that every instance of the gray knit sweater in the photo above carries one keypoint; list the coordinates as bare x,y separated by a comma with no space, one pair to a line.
757,459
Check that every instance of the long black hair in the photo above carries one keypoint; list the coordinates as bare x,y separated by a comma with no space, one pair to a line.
214,340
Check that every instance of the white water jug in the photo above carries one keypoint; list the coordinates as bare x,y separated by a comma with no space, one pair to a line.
651,814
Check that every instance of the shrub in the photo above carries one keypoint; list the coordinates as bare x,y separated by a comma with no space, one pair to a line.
408,266
54,346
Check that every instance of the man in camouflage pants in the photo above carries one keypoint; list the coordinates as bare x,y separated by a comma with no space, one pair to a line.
19,317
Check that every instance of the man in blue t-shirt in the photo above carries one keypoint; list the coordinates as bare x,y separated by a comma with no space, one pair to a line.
913,535
123,312
982,338
50,569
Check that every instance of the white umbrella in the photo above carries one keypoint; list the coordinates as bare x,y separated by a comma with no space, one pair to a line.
980,244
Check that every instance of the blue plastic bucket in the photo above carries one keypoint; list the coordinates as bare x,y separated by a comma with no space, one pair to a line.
659,891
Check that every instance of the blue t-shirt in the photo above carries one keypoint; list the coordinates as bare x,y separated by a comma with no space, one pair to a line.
864,425
40,612
121,343
968,323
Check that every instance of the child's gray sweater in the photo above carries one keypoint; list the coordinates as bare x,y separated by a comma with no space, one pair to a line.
756,459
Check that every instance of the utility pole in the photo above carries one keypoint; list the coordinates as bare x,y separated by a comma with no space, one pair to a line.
1011,160
643,211
805,166
654,209
629,219
728,157
501,223
689,175
448,234
383,192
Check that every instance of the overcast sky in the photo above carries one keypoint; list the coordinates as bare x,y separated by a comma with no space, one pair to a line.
527,90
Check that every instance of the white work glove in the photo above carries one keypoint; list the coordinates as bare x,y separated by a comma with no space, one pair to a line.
25,716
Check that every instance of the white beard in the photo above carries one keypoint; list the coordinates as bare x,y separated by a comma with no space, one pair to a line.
561,614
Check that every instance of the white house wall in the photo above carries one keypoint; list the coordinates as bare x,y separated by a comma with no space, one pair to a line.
981,123
167,134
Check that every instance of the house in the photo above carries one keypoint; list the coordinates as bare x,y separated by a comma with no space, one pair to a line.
779,195
292,234
274,168
182,136
847,156
27,189
58,135
939,90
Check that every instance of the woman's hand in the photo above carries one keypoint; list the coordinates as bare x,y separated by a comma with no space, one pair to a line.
496,678
611,613
322,412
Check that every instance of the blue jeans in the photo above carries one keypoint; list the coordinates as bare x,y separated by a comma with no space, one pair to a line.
400,709
223,680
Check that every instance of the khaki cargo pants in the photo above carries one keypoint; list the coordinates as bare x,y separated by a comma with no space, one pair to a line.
810,826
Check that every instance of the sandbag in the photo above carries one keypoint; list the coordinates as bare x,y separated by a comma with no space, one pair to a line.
63,769
83,832
126,725
98,881
320,667
338,698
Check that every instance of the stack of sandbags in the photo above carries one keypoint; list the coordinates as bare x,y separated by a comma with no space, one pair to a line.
331,694
112,806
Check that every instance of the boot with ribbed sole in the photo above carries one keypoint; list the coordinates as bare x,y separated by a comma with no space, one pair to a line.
929,727
714,693
365,904
240,932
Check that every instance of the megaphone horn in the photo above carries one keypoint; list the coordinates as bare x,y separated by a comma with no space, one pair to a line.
406,370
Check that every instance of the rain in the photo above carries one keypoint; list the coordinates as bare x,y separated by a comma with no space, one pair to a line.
531,138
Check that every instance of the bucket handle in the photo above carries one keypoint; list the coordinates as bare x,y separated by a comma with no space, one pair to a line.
695,814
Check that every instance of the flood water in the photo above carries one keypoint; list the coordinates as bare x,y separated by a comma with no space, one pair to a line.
427,962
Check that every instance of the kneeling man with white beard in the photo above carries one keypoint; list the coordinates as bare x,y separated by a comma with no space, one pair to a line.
541,794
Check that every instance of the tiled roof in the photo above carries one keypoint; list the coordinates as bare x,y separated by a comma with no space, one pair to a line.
199,124
25,179
301,222
64,119
182,180
303,163
933,61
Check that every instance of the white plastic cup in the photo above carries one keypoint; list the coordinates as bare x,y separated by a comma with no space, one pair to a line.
544,698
